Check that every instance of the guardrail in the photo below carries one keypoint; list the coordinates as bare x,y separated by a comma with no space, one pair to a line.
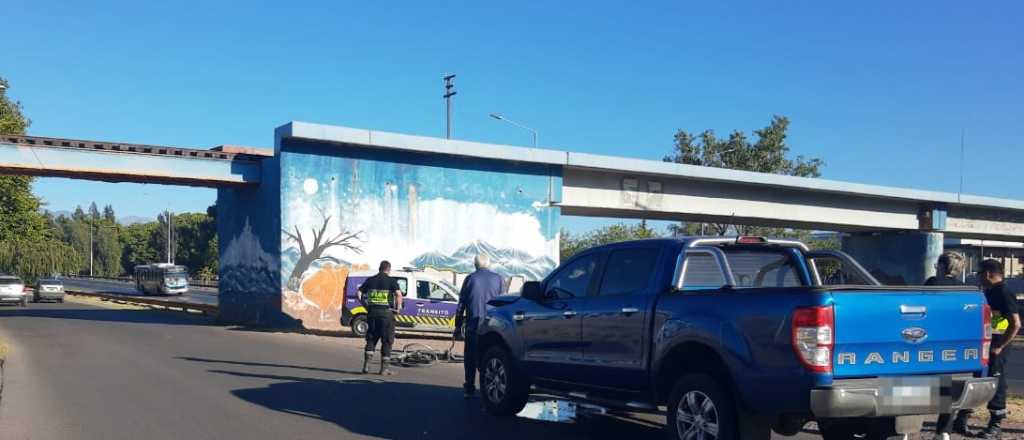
205,309
191,282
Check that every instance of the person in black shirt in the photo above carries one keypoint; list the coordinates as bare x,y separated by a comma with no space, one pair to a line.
1005,326
948,270
382,298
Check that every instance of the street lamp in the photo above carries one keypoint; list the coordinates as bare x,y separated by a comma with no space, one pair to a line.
502,118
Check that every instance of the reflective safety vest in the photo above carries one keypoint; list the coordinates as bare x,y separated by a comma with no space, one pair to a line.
999,323
378,298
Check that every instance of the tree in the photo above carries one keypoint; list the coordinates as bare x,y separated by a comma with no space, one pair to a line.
570,245
135,246
769,154
29,244
307,256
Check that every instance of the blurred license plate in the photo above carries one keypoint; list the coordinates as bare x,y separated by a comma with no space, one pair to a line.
920,392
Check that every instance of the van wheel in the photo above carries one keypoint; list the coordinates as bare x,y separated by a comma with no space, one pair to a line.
360,326
505,390
699,407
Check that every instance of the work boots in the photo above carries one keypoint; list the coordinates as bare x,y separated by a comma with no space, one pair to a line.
994,431
384,370
367,357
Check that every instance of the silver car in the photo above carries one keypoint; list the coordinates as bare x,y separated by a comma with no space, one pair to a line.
12,290
49,290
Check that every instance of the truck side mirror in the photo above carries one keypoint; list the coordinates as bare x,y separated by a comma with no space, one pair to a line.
531,291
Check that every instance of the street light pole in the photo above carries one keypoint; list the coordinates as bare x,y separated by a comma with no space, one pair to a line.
532,131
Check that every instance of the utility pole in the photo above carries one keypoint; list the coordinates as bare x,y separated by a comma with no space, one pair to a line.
92,226
170,236
449,91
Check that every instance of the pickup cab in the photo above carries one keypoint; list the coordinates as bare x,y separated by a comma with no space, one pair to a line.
732,338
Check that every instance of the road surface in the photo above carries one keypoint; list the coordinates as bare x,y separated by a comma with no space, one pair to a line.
82,372
199,295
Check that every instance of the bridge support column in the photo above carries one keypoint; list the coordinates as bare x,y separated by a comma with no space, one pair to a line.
898,257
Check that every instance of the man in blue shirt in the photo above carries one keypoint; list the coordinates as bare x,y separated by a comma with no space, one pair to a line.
477,289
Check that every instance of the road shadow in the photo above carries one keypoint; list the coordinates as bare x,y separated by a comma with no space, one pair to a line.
142,316
404,410
266,364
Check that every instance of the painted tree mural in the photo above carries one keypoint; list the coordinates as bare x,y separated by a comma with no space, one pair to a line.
307,256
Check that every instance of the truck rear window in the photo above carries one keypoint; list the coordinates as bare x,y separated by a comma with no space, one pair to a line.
763,269
751,268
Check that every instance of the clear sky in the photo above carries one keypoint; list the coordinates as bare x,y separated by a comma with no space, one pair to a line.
879,90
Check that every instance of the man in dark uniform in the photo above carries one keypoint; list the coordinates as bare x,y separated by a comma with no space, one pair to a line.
478,288
1005,325
382,298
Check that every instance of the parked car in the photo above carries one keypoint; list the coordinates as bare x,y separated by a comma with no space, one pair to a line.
12,290
49,289
738,337
429,306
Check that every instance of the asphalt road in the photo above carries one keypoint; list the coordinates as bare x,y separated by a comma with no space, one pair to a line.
82,372
200,295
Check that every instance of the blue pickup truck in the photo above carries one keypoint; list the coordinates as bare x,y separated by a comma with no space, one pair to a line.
733,338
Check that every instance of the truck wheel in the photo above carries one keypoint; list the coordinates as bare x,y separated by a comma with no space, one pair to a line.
359,326
505,389
699,407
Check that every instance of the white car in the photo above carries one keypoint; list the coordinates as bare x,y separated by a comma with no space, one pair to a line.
12,289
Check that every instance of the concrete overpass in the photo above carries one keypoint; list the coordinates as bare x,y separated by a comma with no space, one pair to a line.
611,186
896,232
121,162
333,199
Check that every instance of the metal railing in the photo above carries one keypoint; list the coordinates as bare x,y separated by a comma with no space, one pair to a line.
211,284
205,309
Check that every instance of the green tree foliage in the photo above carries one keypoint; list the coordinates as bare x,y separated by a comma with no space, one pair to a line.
768,154
29,244
97,233
193,235
136,248
12,120
570,245
32,260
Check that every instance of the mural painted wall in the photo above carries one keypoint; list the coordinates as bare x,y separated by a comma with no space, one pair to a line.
248,224
344,209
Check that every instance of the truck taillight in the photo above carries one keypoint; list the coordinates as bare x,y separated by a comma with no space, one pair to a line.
986,333
814,337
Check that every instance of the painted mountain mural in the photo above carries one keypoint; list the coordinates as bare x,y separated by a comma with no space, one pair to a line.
506,262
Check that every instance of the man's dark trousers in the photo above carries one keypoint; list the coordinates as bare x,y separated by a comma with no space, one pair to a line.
471,355
996,406
996,364
382,328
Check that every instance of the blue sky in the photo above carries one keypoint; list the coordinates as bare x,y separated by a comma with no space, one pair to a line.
880,90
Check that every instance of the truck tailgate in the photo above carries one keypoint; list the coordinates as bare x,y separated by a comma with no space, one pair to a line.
906,331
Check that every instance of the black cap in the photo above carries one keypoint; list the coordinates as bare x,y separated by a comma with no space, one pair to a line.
991,266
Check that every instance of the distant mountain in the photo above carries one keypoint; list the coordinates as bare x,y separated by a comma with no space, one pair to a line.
134,220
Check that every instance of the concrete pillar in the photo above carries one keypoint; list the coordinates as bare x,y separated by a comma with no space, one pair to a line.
897,258
249,234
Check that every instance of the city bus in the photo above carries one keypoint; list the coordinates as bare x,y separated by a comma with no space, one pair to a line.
161,279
